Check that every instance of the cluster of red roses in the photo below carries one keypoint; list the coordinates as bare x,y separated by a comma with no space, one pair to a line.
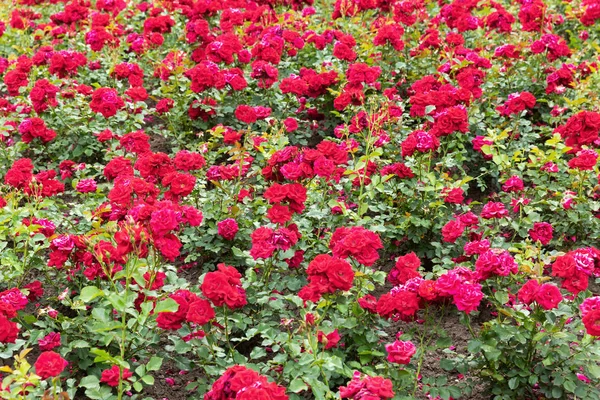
137,197
516,103
461,285
576,267
581,129
326,274
293,164
241,383
356,242
43,95
11,301
221,287
191,309
32,128
286,200
20,176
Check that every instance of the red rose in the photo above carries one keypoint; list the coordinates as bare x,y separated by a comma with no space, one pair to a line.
86,185
180,185
49,342
541,231
357,242
224,287
548,296
35,290
528,291
49,364
576,283
452,231
8,330
400,352
468,297
173,320
164,105
245,114
163,221
330,340
564,266
188,161
111,376
227,228
169,246
106,101
591,321
586,160
279,214
290,124
200,312
454,196
493,210
403,304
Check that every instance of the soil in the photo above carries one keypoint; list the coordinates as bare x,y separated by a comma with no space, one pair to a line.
170,384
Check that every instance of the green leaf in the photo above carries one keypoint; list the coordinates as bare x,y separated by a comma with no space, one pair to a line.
167,305
501,296
101,393
557,393
569,386
446,364
154,364
318,388
80,344
89,293
513,382
148,379
297,385
90,382
257,352
474,346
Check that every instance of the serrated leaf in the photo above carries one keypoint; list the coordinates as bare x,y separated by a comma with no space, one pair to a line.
167,305
154,364
89,293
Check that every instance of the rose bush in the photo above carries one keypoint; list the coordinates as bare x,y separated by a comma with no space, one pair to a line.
284,199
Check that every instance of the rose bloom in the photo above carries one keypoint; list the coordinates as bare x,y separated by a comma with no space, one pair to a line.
585,160
591,321
227,228
493,210
86,185
468,297
548,296
590,304
290,124
8,329
452,231
400,352
49,364
49,342
513,184
541,231
330,340
111,376
528,291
